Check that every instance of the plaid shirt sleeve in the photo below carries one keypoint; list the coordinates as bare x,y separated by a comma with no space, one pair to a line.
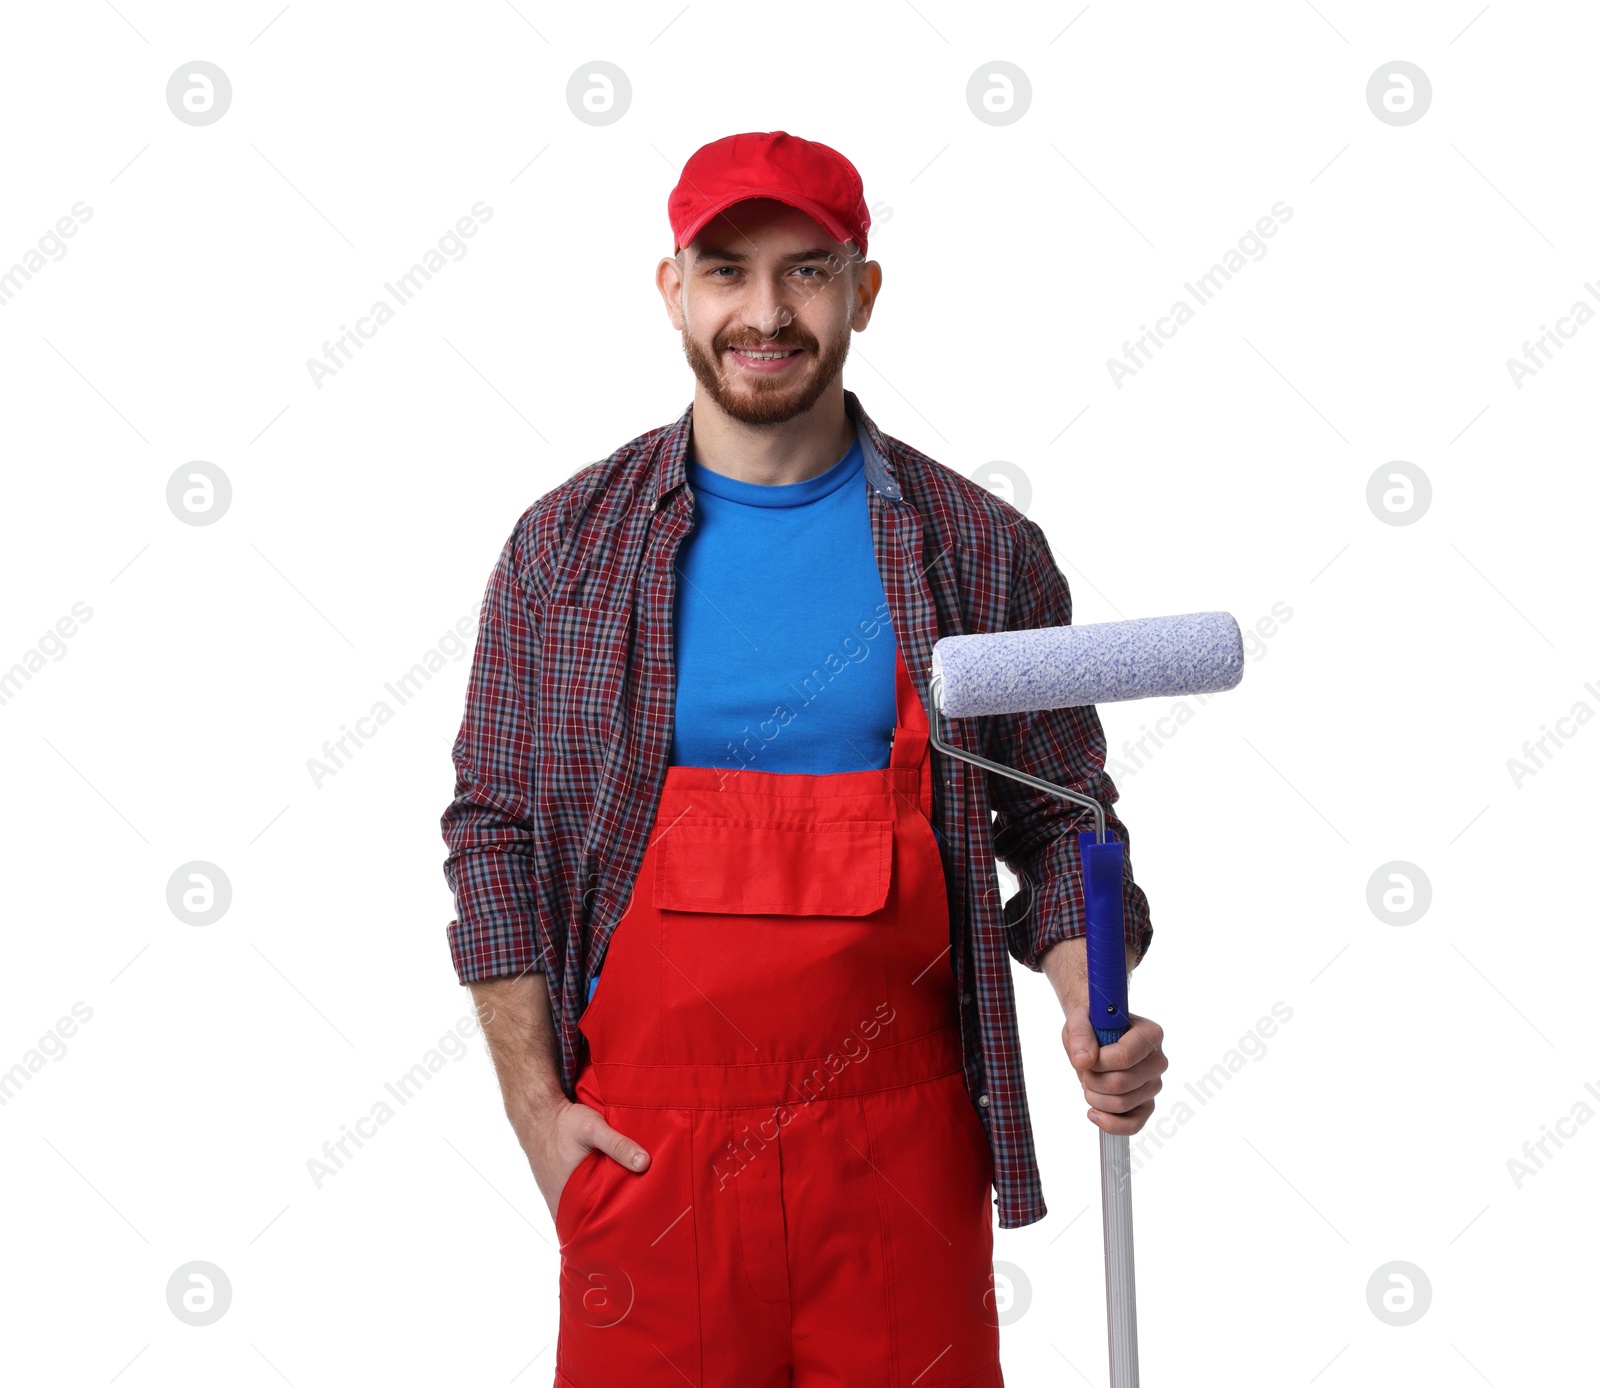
1035,834
489,827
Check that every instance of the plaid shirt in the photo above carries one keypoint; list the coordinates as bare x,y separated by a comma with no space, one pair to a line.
569,711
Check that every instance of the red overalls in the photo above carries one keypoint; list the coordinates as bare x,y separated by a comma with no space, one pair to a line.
777,1025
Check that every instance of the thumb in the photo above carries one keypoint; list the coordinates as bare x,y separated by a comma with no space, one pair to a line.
1083,1047
621,1148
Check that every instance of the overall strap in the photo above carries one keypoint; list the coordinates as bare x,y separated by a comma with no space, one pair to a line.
910,749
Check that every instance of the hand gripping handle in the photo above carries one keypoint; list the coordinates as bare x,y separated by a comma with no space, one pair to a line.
1107,955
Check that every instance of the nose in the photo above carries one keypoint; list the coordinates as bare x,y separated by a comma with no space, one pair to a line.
765,311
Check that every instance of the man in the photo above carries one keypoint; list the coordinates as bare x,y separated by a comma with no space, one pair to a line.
736,927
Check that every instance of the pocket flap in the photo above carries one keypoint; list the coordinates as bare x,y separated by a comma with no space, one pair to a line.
767,869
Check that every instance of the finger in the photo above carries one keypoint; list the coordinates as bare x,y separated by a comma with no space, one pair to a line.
1082,1046
1123,1102
621,1148
1122,1124
1128,1049
1122,1081
1141,1039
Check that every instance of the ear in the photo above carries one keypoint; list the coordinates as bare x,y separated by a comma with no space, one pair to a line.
669,283
869,279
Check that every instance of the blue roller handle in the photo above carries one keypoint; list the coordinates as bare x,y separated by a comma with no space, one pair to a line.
1107,955
1108,1012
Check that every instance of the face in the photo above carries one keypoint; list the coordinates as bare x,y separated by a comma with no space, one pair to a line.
764,278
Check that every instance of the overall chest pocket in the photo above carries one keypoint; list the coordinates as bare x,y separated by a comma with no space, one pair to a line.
767,868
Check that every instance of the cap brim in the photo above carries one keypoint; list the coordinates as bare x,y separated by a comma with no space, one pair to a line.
834,229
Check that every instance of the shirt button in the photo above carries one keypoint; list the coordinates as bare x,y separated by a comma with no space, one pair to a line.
983,1101
966,998
652,506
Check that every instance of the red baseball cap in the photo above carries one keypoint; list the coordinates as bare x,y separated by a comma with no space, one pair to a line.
818,180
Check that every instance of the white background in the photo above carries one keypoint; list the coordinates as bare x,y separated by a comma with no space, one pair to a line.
1374,725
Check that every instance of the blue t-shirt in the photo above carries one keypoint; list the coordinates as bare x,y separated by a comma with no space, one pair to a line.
783,641
784,647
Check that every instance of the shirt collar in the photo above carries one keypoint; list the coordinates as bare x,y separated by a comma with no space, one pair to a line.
670,471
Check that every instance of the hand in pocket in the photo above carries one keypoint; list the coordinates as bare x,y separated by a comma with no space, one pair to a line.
558,1139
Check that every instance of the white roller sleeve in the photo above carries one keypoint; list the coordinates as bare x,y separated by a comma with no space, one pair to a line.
1100,662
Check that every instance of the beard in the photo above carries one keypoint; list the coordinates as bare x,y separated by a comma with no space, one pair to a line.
754,399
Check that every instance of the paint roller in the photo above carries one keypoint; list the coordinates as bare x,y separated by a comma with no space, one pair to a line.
1009,672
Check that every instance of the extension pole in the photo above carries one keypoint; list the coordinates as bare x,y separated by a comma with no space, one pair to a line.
1116,1201
1108,1013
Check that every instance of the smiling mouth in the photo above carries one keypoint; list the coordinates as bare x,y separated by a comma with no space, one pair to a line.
764,353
